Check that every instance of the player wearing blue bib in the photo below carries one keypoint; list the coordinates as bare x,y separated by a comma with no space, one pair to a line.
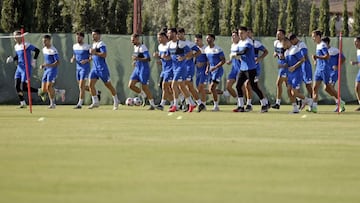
190,65
357,62
216,59
141,72
202,78
235,64
258,47
282,72
294,58
20,73
306,66
50,66
82,58
178,51
322,71
100,70
247,70
166,72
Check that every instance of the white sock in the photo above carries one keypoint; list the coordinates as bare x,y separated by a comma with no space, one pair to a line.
52,101
199,101
94,99
151,101
278,101
115,98
163,102
248,102
240,101
80,102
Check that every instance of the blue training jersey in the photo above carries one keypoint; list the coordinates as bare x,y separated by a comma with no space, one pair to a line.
141,51
166,64
178,48
292,56
81,52
334,57
19,49
279,50
50,55
202,57
322,50
214,55
258,46
235,63
247,59
304,51
99,63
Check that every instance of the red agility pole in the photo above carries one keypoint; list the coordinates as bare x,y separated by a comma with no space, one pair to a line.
27,70
339,72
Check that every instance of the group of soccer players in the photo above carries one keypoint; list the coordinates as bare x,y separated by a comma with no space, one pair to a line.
183,59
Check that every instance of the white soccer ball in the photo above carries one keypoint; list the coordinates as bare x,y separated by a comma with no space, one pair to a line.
129,101
137,101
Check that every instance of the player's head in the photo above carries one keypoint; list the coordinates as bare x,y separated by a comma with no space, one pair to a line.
293,38
96,34
198,39
171,33
162,37
17,36
235,36
250,32
243,32
357,42
326,40
316,36
181,34
286,43
210,39
80,37
280,34
135,39
46,41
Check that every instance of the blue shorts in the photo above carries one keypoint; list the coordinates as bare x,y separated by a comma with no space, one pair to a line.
295,79
82,73
50,75
358,77
21,73
201,76
179,71
141,74
217,74
283,72
234,72
190,72
307,72
333,76
258,69
168,76
104,75
322,75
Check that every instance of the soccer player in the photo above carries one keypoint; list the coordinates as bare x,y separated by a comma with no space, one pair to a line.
247,70
282,72
235,64
141,72
357,62
20,73
178,51
81,56
322,72
216,60
258,47
100,70
166,72
190,66
294,58
50,66
333,63
202,78
306,66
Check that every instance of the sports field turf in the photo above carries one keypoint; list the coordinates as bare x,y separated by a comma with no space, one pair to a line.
137,156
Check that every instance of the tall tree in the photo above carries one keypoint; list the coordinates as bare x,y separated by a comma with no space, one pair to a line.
333,26
8,15
130,16
146,24
248,14
42,13
281,18
303,17
55,19
324,18
199,26
211,18
81,19
313,16
356,27
266,17
66,13
235,14
258,24
345,20
226,29
118,12
174,18
291,23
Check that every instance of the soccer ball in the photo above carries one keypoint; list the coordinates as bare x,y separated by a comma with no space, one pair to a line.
129,101
137,101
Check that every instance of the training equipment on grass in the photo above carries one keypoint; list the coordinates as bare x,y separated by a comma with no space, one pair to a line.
129,101
137,101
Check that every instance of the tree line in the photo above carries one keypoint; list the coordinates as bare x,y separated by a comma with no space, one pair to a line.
196,16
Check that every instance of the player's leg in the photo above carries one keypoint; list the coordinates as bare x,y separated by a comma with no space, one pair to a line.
357,93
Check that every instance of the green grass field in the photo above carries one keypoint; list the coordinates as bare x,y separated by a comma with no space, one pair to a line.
137,156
